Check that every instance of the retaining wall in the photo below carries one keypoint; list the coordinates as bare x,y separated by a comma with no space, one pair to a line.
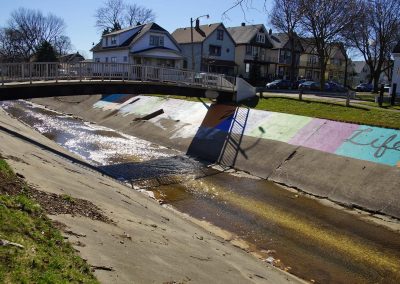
356,165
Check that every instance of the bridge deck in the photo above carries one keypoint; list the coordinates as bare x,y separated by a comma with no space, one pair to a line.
28,80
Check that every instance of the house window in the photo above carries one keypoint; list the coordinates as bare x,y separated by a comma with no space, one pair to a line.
106,59
249,49
156,40
125,58
107,41
97,60
220,35
247,67
113,59
260,38
214,50
113,40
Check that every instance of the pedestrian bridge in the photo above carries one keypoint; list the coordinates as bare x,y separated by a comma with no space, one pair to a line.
35,80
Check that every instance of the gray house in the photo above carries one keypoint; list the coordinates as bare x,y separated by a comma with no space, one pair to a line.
253,55
214,48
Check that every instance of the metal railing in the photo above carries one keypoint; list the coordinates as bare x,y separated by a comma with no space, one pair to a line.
87,71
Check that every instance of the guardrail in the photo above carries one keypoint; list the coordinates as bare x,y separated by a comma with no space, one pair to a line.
31,72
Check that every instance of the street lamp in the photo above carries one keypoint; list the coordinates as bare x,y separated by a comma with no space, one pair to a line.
191,33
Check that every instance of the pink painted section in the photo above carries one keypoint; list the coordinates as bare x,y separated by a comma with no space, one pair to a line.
323,135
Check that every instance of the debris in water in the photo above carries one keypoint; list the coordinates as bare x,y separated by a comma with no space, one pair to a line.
270,260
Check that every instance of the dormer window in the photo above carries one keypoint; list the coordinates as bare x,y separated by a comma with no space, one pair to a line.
260,38
220,35
113,40
156,40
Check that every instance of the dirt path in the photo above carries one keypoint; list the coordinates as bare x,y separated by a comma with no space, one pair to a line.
144,243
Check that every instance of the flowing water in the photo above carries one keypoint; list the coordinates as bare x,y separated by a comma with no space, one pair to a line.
318,243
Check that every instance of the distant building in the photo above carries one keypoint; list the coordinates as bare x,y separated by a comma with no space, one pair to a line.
71,58
309,66
396,68
253,56
147,44
336,66
360,72
282,51
213,46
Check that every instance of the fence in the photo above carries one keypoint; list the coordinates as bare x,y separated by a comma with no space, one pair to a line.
30,72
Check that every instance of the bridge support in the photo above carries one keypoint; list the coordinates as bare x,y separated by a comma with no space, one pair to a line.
244,90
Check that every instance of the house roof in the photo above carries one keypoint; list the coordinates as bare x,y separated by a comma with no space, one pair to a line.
70,57
182,35
358,66
397,48
279,40
244,34
141,30
308,45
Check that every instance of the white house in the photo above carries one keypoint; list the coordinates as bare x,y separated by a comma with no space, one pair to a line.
396,68
147,44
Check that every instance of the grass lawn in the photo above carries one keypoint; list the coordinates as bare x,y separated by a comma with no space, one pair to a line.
323,109
333,111
45,256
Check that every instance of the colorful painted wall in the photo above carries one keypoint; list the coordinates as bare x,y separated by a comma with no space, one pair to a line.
379,145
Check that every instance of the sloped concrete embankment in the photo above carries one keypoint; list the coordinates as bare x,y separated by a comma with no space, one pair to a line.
230,136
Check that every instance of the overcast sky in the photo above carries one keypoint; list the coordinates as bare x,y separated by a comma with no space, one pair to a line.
170,14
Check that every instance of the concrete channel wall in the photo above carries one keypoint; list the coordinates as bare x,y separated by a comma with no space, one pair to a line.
355,165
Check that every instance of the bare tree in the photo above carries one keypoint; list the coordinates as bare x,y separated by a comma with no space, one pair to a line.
375,34
62,45
285,16
11,46
26,31
116,14
325,21
137,14
111,15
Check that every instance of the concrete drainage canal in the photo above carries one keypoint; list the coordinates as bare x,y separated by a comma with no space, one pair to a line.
319,243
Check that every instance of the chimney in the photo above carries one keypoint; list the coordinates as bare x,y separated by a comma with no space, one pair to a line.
270,32
243,24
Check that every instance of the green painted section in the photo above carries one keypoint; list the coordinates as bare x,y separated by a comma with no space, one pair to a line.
280,126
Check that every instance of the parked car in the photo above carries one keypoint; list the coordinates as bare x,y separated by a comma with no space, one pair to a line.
364,87
335,87
298,82
309,85
279,84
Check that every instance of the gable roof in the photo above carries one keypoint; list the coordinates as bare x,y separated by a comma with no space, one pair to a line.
70,57
308,45
141,30
397,48
244,34
358,66
281,41
182,35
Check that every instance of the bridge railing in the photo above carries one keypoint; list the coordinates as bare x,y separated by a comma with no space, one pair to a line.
30,72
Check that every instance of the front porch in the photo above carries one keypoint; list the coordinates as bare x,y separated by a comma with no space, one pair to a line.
159,57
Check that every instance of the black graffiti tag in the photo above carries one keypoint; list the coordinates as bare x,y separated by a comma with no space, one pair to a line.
381,147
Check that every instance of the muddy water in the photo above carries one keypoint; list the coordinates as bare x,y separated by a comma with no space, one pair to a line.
296,233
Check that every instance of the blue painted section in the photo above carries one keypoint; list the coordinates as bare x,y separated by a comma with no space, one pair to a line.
379,145
225,125
113,98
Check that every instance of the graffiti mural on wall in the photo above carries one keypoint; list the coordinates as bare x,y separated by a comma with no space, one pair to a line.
379,145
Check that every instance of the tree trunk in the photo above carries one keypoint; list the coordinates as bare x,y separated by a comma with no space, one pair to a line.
375,77
322,66
293,60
